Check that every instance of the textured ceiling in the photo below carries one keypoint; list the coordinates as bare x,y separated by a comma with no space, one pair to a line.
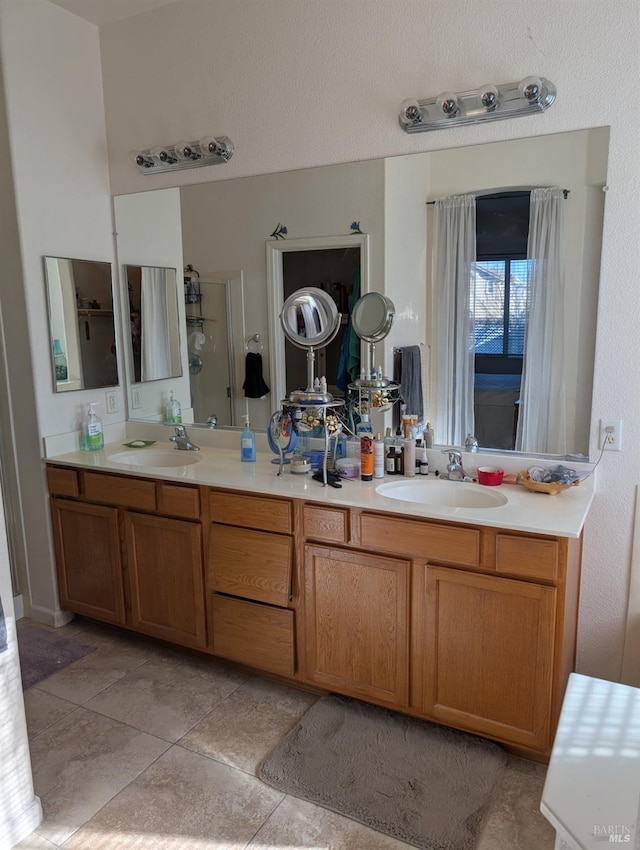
106,11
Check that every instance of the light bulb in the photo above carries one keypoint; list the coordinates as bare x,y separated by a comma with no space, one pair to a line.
530,89
185,150
448,103
489,97
209,146
162,156
140,159
410,112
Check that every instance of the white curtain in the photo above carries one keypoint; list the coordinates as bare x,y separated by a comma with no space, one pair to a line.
454,258
154,315
542,414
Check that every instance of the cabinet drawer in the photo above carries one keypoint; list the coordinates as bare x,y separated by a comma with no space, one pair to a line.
120,490
62,482
179,501
251,511
252,564
420,539
253,634
527,557
330,524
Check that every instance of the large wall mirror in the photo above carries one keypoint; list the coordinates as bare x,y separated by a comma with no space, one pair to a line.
155,328
226,225
81,324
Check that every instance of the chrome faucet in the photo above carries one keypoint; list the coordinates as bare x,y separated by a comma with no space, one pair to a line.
182,441
455,470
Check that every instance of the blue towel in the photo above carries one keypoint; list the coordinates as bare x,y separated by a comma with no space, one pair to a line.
411,379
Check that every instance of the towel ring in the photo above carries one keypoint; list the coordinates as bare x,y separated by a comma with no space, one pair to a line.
255,342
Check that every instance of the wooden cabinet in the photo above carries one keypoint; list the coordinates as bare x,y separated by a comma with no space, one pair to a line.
356,608
164,559
118,565
488,662
249,581
87,544
467,625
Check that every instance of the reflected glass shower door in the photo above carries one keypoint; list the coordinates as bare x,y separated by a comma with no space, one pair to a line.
210,352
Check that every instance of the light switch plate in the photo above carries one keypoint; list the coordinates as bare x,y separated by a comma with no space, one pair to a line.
136,398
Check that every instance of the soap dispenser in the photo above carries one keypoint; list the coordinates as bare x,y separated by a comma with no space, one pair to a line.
247,443
92,436
173,413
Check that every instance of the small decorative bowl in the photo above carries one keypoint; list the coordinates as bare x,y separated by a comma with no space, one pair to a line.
552,488
491,476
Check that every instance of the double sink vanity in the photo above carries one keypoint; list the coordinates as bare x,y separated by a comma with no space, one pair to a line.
449,601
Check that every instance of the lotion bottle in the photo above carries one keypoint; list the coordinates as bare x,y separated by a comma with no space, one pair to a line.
173,413
247,443
92,436
378,457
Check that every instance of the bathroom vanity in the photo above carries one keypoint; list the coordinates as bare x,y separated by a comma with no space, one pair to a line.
466,617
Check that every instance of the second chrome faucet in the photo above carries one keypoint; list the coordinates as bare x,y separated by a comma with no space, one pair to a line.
455,470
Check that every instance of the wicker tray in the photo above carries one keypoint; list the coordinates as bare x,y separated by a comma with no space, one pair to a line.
552,488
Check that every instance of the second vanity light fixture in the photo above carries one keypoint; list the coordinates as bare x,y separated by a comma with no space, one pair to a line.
487,103
207,151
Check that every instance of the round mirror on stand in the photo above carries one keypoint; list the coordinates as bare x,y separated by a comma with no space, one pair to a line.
310,320
372,317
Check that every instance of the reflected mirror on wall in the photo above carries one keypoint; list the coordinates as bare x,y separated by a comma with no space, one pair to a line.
81,324
154,348
576,160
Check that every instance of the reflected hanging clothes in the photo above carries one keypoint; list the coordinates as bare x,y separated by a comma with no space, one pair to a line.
254,384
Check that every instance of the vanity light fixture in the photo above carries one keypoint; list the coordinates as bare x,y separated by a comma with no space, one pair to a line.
207,151
487,103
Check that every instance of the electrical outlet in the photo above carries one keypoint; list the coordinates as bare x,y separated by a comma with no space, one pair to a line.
136,398
611,434
112,401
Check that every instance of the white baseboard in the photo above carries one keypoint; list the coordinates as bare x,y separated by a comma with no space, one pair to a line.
51,617
18,606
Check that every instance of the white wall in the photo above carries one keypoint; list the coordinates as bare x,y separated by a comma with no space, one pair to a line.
56,133
300,84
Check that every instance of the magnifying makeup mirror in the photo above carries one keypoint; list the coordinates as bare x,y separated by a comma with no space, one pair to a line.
372,317
310,320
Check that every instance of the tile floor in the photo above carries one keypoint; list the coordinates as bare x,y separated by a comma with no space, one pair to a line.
141,747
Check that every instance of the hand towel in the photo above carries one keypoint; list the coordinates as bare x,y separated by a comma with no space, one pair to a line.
254,384
411,379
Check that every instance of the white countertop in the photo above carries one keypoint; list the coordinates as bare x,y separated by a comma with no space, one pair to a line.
561,515
592,787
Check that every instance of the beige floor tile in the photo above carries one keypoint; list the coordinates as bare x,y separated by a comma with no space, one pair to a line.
513,820
82,762
43,710
296,824
184,801
114,656
168,695
249,724
35,842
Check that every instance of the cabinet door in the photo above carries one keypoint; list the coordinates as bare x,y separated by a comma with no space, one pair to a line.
488,654
89,563
166,578
356,623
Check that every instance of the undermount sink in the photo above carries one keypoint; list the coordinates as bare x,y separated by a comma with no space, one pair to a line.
444,494
156,458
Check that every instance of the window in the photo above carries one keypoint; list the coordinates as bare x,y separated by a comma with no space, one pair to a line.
500,282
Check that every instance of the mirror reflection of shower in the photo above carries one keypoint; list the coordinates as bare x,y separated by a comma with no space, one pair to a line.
209,347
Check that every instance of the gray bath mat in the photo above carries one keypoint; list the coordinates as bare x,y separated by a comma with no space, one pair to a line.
43,652
418,782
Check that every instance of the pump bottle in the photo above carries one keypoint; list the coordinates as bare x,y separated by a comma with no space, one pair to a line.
92,436
247,443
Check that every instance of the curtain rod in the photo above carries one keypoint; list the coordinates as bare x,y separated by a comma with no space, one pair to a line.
516,194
